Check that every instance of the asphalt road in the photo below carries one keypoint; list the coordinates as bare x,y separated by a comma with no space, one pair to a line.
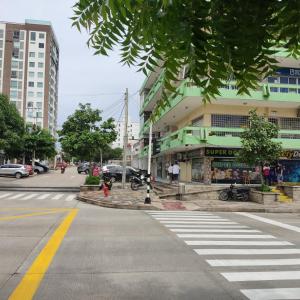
54,247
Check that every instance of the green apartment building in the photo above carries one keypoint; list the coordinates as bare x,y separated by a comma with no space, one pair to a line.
204,138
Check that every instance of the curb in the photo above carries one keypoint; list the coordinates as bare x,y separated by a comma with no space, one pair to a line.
108,204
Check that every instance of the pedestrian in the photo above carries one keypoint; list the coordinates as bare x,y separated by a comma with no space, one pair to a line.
96,171
279,173
176,171
266,174
170,173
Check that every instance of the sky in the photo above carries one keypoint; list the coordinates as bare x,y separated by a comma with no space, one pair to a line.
83,77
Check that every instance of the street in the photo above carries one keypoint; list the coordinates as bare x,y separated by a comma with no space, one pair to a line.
54,247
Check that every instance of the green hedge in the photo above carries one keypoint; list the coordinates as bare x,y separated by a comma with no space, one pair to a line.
92,180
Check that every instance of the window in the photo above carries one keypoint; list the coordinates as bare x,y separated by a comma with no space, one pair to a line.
41,65
41,45
13,74
31,83
41,55
1,43
39,114
15,53
14,64
32,36
29,104
284,80
230,121
197,122
30,114
274,89
30,94
39,94
1,33
20,65
30,74
14,84
16,35
293,91
39,84
31,54
41,36
40,74
284,90
292,80
13,94
31,64
290,123
22,35
20,75
39,105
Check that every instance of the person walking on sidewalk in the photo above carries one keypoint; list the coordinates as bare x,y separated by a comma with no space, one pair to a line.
170,173
176,171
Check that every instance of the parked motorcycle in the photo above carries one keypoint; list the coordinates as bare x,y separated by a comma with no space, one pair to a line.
138,181
234,193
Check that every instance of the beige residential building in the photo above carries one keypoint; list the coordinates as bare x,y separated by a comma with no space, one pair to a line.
29,65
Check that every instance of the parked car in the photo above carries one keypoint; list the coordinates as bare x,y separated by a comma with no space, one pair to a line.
29,169
83,168
14,170
114,172
38,169
45,168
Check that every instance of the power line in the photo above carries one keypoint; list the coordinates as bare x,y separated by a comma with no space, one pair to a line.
90,95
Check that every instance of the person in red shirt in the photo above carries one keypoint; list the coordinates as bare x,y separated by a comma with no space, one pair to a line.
266,174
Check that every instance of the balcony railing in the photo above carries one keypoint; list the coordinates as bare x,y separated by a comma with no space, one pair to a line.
225,137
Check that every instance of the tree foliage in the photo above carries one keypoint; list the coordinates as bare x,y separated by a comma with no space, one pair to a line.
258,147
40,141
11,128
218,40
84,133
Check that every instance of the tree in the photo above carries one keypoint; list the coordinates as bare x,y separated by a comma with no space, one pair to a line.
218,40
109,153
11,128
258,147
84,133
38,143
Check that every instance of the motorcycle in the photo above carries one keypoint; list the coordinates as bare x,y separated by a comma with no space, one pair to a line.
138,181
234,193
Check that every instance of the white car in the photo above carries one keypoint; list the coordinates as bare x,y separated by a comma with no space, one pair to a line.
14,170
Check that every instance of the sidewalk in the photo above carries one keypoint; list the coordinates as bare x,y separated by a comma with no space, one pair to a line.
128,199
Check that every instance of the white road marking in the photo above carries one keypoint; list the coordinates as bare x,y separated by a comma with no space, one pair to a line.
214,230
246,251
191,219
226,236
16,196
5,195
197,222
29,196
269,221
70,198
272,294
253,262
184,215
44,196
261,276
178,212
238,243
205,226
58,196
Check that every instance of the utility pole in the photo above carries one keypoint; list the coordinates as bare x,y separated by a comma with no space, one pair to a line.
125,140
148,199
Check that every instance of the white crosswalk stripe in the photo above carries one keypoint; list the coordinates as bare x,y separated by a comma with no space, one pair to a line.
209,235
57,197
272,294
37,196
16,196
5,195
30,196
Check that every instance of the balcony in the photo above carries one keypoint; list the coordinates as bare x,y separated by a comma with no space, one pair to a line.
189,138
152,93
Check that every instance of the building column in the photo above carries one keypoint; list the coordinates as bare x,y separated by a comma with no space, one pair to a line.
207,170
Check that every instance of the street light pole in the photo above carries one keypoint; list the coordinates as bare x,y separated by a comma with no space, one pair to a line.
148,199
125,140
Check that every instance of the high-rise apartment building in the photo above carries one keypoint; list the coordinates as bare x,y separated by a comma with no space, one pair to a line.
29,64
133,133
205,138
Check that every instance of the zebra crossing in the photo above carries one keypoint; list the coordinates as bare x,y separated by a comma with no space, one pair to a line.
26,196
262,266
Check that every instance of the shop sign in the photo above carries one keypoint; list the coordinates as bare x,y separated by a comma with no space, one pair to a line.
288,72
291,154
221,152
